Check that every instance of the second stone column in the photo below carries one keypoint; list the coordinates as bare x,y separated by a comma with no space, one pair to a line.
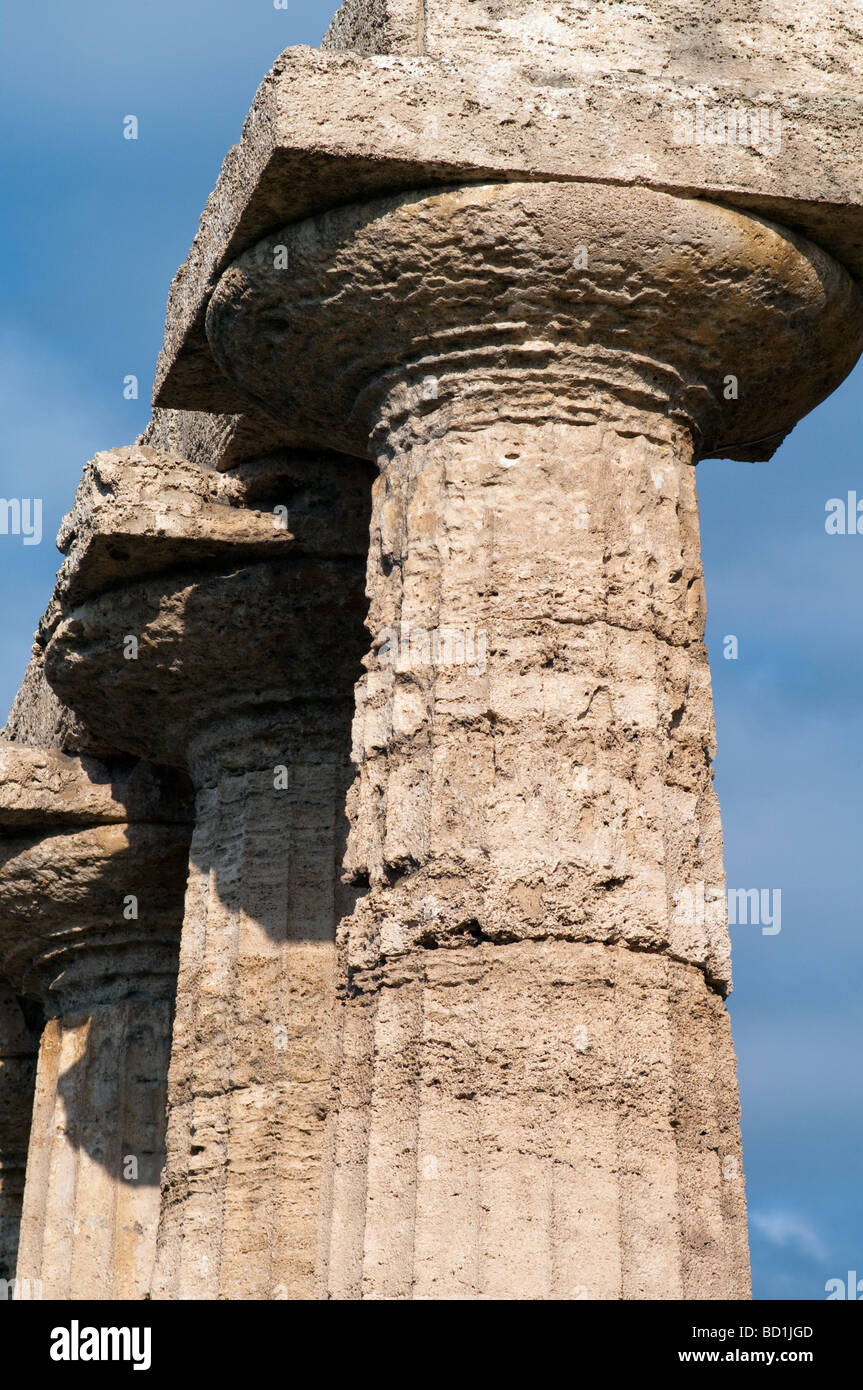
244,644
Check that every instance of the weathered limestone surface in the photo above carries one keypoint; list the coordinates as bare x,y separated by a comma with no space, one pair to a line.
97,1146
92,867
249,641
251,1057
379,26
41,786
536,420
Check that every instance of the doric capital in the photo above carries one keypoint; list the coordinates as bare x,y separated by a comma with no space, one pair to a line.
725,104
194,608
419,313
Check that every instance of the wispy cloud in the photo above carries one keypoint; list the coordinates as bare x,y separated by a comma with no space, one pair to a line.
789,1230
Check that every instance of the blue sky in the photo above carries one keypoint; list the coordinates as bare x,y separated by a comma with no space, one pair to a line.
95,228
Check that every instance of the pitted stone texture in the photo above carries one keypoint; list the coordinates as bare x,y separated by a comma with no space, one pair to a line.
378,26
547,797
139,511
76,837
218,594
159,495
774,45
536,1121
536,1094
328,129
542,294
143,509
63,895
561,785
233,635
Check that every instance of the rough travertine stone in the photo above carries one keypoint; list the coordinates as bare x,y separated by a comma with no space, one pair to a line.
139,511
97,1145
546,783
92,870
251,1061
19,1044
240,593
244,676
378,26
563,786
792,43
40,786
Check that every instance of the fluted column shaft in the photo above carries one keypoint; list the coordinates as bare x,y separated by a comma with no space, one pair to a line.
250,1069
516,1108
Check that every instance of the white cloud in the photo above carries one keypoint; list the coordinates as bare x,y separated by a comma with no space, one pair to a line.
788,1228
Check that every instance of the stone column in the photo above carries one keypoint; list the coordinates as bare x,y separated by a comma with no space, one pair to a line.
527,1125
19,1041
536,1092
248,643
89,930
